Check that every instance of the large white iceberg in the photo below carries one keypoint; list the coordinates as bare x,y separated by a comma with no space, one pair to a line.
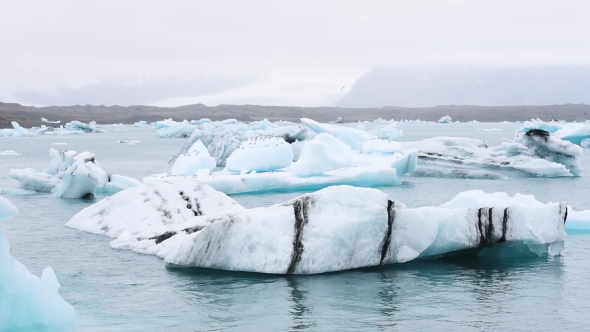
71,175
27,301
534,152
334,229
445,119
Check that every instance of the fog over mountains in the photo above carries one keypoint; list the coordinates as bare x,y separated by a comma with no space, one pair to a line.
492,86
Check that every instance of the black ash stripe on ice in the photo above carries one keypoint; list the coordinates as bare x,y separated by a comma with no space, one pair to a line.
300,208
387,237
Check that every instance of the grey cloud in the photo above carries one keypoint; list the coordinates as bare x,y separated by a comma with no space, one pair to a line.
125,92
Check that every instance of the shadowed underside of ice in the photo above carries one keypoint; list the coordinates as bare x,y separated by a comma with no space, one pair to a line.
334,229
534,152
27,301
16,131
71,175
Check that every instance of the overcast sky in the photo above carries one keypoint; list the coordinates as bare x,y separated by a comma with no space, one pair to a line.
264,52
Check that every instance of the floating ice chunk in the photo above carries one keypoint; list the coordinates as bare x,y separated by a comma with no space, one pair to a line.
47,121
7,210
534,152
31,179
145,211
538,124
381,146
16,131
27,301
140,124
578,222
195,159
200,122
117,183
77,126
334,229
321,154
575,133
445,119
389,132
173,129
350,136
446,171
9,153
261,154
71,175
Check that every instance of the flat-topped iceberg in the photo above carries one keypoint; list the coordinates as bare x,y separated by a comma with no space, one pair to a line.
333,229
71,175
261,154
534,152
27,301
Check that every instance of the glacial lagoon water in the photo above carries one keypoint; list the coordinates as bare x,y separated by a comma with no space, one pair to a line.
119,290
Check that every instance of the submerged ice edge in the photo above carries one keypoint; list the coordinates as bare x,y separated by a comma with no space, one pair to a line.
334,229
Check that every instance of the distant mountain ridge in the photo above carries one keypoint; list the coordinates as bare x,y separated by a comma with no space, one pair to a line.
29,116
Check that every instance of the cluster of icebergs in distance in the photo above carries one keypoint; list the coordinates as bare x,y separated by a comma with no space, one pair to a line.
27,301
338,228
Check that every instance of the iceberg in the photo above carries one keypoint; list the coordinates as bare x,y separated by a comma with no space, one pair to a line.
16,131
323,161
572,132
27,301
445,119
535,152
9,153
81,127
172,129
389,132
578,222
71,175
47,121
350,136
140,124
194,160
334,229
222,138
260,154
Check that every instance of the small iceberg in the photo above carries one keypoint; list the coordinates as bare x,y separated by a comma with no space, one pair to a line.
445,119
16,131
27,301
337,228
71,175
9,153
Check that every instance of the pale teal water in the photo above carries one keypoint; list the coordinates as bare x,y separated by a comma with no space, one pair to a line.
123,291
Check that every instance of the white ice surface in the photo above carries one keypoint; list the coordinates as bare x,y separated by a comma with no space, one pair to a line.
16,131
260,154
350,136
193,160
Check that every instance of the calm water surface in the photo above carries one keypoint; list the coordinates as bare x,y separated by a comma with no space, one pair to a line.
119,290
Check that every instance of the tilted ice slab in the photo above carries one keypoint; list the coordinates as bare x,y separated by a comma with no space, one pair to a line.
534,152
334,229
261,154
71,175
27,301
222,138
355,138
16,131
